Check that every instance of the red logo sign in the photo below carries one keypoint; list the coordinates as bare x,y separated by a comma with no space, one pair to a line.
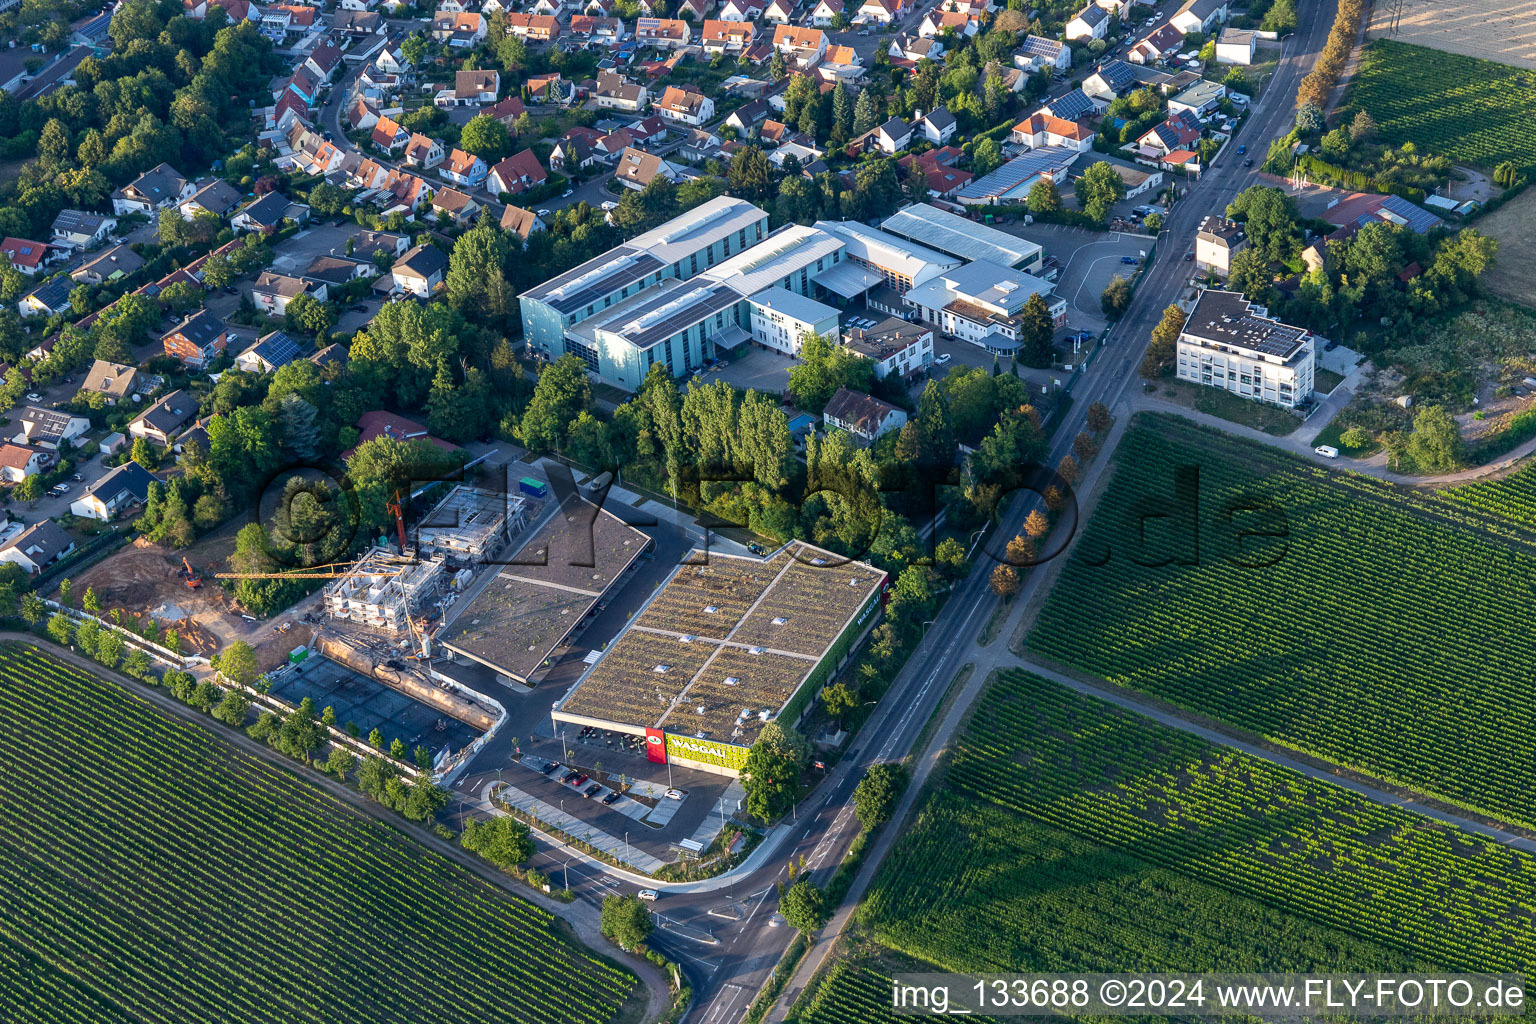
656,746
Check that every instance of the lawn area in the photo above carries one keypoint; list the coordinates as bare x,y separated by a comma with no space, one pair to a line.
156,873
1514,225
1382,629
1474,111
1333,434
1230,407
1324,381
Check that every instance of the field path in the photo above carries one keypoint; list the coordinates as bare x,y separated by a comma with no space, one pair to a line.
583,918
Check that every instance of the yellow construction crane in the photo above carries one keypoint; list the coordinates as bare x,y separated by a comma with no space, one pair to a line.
330,571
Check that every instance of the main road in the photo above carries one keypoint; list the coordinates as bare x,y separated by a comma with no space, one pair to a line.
724,936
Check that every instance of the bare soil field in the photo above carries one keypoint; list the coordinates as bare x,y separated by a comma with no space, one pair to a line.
1513,274
1501,30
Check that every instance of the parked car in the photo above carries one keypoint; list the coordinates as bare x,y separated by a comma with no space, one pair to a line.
550,768
649,895
78,478
1128,259
570,776
33,396
543,213
592,791
61,488
1189,255
1248,162
1327,451
581,779
612,796
943,357
673,794
358,307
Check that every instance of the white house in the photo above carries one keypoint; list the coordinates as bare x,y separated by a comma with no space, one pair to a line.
38,546
685,106
1038,53
420,271
1216,242
155,189
49,428
1092,22
1236,46
122,488
1230,344
19,461
1199,15
864,416
896,346
937,126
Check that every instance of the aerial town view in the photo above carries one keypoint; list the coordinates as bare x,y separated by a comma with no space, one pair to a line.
742,511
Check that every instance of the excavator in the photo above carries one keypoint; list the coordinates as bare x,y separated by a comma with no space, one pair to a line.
193,580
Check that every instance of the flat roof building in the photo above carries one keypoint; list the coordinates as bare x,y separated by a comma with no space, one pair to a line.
957,236
893,345
1229,343
981,302
723,648
902,263
782,320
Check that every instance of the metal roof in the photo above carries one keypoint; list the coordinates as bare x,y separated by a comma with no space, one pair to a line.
958,236
848,279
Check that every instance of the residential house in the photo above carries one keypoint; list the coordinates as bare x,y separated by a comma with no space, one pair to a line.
460,30
375,83
552,8
747,117
109,265
389,136
801,147
405,192
155,189
536,28
267,213
1236,46
1159,44
362,114
864,416
615,92
881,12
470,89
199,339
897,347
611,145
272,352
1216,241
27,256
826,12
521,222
19,461
449,204
336,270
49,428
368,174
937,126
1070,106
113,381
122,488
366,243
741,10
358,25
779,12
650,131
1230,344
420,271
507,111
272,291
46,299
570,155
167,417
1113,78
802,47
423,152
517,174
698,10
1200,98
1199,15
841,63
775,132
1092,22
907,49
718,36
78,229
636,169
663,33
1038,53
893,136
38,546
944,179
323,61
392,59
217,197
1179,131
1042,129
463,168
550,88
937,22
685,106
700,145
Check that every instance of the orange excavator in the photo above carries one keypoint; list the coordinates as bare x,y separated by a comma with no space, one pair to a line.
193,580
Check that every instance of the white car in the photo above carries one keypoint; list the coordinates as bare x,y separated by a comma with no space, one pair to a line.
649,895
673,794
33,396
1327,451
943,357
609,204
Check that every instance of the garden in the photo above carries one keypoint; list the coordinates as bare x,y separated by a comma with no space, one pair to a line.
147,861
1376,628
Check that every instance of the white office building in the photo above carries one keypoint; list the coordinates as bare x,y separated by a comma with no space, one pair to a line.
1229,343
781,320
981,302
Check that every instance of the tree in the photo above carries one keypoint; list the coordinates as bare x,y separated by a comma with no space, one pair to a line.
1309,118
504,841
1363,127
90,602
30,488
804,907
1037,525
866,112
1355,438
143,452
476,282
987,157
485,137
66,591
839,700
771,773
874,799
1163,348
1505,174
307,315
1270,220
1154,223
1435,445
1036,330
1100,188
1005,581
340,763
32,609
61,629
1021,551
1098,417
1044,197
237,663
327,200
376,739
626,921
1083,447
232,709
1116,297
825,367
1280,18
561,395
1335,144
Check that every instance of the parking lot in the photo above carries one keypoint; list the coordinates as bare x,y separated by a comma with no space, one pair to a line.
752,367
1088,260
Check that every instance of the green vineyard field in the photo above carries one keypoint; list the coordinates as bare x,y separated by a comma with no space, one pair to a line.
1472,110
1391,633
156,874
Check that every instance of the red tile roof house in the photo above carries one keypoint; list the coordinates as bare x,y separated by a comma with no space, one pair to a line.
198,340
423,152
25,256
507,111
517,173
389,136
371,425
